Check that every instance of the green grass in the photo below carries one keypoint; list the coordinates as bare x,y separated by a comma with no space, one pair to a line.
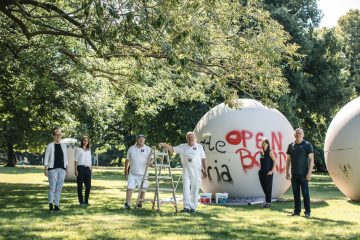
24,215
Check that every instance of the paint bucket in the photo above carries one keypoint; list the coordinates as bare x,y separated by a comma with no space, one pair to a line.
205,198
221,198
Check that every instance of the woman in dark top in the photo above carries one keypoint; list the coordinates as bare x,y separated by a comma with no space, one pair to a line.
267,168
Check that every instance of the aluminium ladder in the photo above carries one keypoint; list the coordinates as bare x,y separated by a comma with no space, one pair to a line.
160,160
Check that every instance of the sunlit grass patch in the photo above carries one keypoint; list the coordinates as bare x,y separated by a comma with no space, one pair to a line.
24,213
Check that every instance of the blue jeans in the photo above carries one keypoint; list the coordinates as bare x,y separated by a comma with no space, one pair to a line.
299,181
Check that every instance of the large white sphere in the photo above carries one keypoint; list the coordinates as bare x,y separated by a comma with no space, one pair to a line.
71,145
232,137
342,149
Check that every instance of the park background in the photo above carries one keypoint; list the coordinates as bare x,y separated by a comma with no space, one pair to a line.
111,69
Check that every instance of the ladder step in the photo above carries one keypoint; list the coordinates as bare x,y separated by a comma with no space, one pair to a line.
146,200
159,177
162,165
160,189
161,154
166,189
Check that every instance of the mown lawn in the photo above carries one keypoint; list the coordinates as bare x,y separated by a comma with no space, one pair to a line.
24,214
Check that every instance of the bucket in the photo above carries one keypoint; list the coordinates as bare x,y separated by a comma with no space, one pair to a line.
221,198
205,198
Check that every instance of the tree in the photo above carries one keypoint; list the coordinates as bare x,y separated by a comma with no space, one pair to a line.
349,33
39,87
155,54
319,86
225,41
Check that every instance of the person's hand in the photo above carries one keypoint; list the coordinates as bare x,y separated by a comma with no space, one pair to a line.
288,176
204,174
76,173
270,172
126,175
161,145
46,172
308,176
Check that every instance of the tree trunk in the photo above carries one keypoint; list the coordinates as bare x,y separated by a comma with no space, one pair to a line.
11,162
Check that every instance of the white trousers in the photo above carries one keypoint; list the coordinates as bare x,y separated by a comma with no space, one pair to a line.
135,180
191,186
56,182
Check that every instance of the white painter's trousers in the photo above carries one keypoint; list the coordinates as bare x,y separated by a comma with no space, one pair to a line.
191,185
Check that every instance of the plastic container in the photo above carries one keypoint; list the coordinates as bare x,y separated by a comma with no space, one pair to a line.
205,198
221,198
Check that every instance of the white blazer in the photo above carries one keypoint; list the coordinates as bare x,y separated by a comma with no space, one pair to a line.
50,155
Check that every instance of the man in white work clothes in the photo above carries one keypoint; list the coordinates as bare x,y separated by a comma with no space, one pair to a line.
136,158
194,163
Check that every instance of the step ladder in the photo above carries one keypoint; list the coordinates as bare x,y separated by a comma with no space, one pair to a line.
160,160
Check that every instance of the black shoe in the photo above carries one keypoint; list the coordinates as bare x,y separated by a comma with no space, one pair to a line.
138,206
307,215
192,210
126,206
267,205
186,210
295,214
56,208
51,207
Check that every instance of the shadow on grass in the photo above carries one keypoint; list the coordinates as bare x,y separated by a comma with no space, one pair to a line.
109,176
28,202
356,203
13,233
17,200
20,170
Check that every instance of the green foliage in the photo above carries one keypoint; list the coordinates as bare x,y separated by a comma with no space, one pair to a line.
349,33
40,88
114,68
319,87
155,55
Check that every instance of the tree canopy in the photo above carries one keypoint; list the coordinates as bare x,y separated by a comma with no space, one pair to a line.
110,68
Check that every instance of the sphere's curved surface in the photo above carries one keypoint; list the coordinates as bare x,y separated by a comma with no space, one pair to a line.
342,149
231,139
71,146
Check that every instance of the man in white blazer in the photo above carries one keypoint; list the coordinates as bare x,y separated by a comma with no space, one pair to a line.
56,168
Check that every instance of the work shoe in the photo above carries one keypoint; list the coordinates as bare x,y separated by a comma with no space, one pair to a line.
295,214
51,207
307,215
56,208
186,210
126,206
267,205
